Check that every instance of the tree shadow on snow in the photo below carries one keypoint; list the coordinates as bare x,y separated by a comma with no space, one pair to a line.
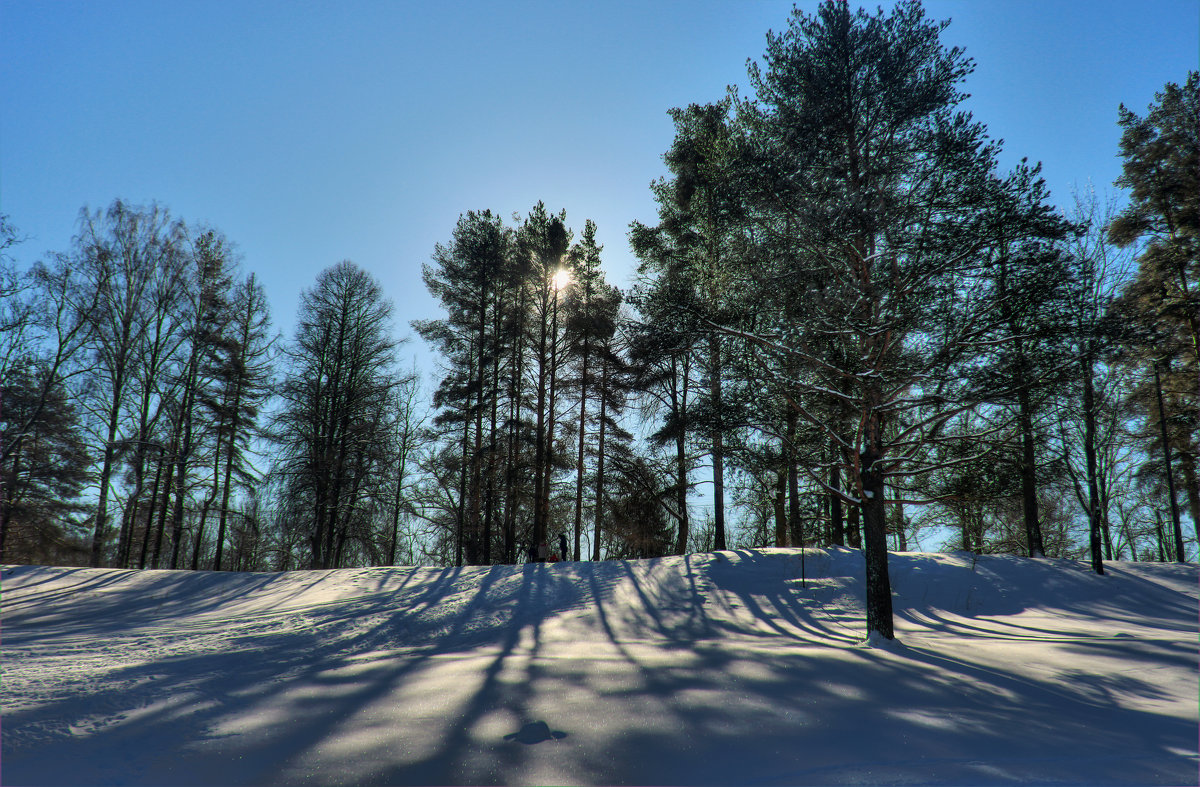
713,669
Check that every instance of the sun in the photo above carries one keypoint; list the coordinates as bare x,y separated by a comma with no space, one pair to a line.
561,278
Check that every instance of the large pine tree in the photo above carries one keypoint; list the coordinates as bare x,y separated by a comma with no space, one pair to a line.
1161,170
865,180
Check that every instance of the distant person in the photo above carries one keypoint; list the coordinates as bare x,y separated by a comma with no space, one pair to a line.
543,552
530,553
562,545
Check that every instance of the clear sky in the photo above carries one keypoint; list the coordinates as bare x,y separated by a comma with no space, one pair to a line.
315,132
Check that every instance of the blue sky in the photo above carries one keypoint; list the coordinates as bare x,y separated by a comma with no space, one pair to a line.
315,132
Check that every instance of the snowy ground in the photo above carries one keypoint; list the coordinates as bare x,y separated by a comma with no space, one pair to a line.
707,669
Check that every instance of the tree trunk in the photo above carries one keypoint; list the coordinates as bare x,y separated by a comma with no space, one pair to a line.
1166,445
837,527
780,500
539,447
227,485
150,510
1033,528
600,460
1187,463
1158,528
489,501
1089,451
401,460
853,530
879,587
461,535
552,404
166,503
183,456
718,440
100,533
679,404
583,390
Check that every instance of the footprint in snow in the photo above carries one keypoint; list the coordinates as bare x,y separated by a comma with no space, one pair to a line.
535,732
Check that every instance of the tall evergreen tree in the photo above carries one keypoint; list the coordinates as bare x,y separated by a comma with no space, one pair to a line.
701,225
466,277
592,309
866,180
1161,170
244,374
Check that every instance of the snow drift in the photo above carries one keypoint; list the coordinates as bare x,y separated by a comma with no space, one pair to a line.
744,667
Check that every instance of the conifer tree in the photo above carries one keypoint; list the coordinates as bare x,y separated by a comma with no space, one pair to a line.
866,181
1161,170
701,225
245,376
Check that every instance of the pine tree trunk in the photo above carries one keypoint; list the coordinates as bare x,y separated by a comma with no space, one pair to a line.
679,404
853,526
489,504
516,372
1033,528
539,447
1166,446
599,518
879,587
583,391
1187,463
718,438
552,414
183,456
837,526
461,536
795,529
901,535
780,501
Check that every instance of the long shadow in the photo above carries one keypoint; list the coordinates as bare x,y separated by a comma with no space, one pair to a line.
458,757
260,671
772,601
728,715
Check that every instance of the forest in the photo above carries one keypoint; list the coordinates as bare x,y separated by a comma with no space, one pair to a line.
849,327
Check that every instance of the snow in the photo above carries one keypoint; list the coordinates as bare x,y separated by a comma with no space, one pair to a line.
720,668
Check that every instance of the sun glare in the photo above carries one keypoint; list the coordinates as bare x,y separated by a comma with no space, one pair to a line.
562,278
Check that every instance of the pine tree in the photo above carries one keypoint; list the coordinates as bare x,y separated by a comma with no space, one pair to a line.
865,183
467,277
1161,170
701,224
42,478
592,309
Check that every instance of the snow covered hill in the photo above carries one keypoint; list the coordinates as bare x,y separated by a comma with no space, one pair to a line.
743,667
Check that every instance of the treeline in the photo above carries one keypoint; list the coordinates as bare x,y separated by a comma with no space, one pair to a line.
849,327
134,370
